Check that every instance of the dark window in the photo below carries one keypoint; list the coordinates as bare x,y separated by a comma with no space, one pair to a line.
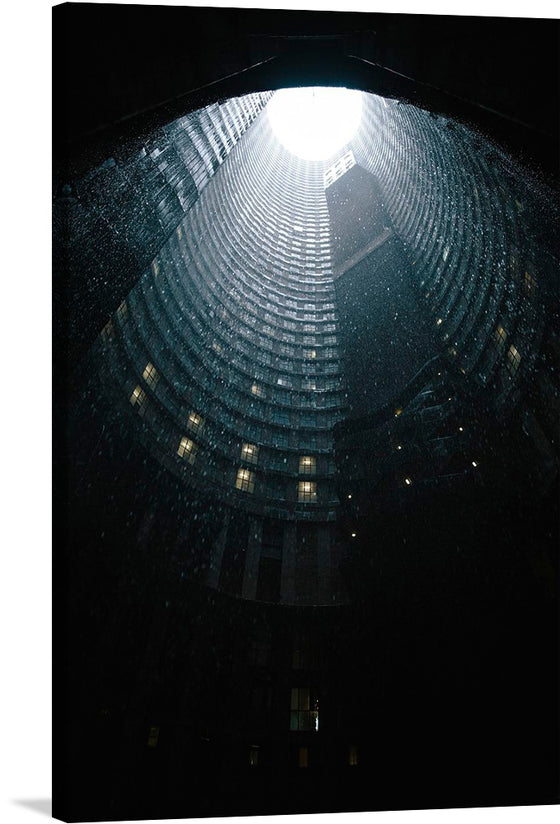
304,710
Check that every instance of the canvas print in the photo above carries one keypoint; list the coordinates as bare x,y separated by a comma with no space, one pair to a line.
306,383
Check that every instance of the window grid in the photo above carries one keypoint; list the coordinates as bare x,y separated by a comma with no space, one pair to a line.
139,399
250,453
307,465
307,491
187,449
195,422
122,311
500,336
513,359
304,710
150,375
245,480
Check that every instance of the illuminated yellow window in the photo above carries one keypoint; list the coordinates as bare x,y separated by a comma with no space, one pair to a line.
307,491
353,756
257,390
139,399
250,453
122,311
187,449
530,283
513,359
500,336
217,347
310,354
195,422
155,267
398,411
307,465
179,232
150,375
245,480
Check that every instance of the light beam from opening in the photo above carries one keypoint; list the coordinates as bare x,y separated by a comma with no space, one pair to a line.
314,123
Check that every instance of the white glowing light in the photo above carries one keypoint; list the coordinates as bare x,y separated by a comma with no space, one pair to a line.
315,122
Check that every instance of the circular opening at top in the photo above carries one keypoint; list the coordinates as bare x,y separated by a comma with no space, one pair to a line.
315,122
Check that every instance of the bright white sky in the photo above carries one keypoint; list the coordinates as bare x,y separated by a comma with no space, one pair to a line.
314,123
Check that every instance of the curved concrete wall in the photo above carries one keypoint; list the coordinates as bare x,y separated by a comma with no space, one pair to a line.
224,358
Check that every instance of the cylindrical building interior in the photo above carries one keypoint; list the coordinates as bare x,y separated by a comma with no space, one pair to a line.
311,467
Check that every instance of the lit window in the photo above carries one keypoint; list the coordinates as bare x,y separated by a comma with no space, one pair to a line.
353,756
304,710
195,422
439,321
122,311
187,449
139,399
257,390
179,232
398,412
150,375
307,465
307,491
408,481
245,480
250,453
310,354
500,336
341,166
155,267
513,359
